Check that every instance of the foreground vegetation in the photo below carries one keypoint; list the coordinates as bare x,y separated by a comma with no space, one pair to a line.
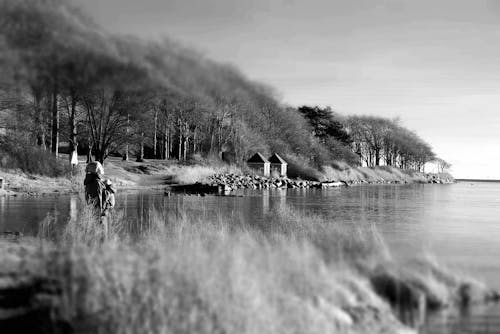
289,273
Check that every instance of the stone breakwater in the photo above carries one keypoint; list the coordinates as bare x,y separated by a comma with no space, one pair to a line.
224,183
439,178
229,182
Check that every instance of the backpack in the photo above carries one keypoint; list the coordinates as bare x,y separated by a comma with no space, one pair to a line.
109,194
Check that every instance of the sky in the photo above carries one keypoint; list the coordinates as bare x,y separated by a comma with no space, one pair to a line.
434,64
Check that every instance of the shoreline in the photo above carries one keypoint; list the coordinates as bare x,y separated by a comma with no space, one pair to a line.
162,175
165,176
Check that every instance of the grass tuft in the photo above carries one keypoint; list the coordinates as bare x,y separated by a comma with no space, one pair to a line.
293,273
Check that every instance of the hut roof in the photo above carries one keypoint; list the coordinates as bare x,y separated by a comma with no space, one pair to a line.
276,159
258,158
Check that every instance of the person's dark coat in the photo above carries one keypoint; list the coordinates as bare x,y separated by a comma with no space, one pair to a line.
94,189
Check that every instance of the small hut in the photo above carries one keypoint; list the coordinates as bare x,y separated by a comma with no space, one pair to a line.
278,165
259,163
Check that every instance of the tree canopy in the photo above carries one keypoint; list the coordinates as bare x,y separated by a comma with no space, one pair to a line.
63,78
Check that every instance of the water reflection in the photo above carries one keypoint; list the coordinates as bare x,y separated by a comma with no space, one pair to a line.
273,199
2,208
482,319
73,208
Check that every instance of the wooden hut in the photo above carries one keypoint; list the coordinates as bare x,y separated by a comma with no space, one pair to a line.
278,165
259,163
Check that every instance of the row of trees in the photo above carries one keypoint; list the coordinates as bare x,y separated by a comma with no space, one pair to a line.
64,79
67,78
378,141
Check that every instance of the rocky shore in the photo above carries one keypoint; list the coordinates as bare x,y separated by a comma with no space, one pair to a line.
230,182
442,178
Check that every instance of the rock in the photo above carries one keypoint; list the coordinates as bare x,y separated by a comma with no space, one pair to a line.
332,184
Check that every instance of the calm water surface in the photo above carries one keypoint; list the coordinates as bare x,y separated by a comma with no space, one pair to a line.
458,223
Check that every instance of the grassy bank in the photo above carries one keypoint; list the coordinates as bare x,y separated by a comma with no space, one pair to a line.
127,175
380,174
292,273
160,174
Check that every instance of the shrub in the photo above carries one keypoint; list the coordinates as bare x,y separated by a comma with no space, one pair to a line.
299,168
21,154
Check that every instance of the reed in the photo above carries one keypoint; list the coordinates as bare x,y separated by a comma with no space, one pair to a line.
294,273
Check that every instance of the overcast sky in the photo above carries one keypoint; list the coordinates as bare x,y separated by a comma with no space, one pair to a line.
435,64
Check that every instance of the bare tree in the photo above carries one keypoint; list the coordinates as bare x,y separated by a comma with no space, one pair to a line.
442,165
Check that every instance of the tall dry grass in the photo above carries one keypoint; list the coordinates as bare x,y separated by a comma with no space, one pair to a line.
200,173
344,172
293,273
188,275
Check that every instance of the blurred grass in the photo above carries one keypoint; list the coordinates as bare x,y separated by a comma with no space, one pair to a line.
293,273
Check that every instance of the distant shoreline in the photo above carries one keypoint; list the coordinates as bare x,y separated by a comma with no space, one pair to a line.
477,180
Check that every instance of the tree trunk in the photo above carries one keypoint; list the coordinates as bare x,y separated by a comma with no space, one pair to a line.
89,152
73,140
179,153
194,141
170,144
185,144
212,139
39,120
99,155
55,125
166,147
155,141
140,156
219,138
125,155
